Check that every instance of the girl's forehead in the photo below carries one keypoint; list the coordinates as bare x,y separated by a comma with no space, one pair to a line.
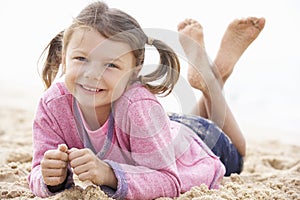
92,42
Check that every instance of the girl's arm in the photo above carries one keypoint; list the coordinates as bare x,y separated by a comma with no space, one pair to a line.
46,135
153,172
142,182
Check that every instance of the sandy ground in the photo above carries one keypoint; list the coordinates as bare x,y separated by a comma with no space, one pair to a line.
272,169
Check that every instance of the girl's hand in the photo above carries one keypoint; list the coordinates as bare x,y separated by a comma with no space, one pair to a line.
87,166
54,166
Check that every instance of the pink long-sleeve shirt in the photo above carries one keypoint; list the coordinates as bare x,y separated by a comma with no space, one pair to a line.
151,155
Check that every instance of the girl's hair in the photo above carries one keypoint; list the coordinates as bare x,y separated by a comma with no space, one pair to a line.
118,26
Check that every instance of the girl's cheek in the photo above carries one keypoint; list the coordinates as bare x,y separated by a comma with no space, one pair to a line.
70,81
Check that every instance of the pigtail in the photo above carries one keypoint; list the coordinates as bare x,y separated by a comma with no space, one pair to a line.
53,60
167,72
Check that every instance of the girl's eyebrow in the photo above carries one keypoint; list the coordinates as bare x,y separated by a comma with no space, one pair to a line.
118,59
76,50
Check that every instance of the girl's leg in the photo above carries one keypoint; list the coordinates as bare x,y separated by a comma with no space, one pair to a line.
215,139
239,35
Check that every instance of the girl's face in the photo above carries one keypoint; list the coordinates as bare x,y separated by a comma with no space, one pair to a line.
98,70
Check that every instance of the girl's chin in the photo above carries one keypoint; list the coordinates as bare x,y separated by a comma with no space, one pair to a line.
91,103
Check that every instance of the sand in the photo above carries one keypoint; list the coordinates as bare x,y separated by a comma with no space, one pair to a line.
272,169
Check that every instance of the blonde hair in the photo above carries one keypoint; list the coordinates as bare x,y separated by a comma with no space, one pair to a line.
119,26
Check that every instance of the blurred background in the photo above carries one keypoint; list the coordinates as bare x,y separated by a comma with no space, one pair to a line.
263,90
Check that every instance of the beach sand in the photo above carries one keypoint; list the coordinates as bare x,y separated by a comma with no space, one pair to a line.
271,171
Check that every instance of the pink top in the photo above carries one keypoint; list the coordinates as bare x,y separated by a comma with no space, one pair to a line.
151,155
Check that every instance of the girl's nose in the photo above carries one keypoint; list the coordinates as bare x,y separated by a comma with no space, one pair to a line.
94,71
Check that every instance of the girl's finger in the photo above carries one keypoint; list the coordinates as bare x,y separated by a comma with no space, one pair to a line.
53,164
56,155
63,148
84,176
52,181
80,169
54,172
72,150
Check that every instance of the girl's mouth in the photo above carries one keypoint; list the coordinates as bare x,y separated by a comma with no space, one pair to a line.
91,89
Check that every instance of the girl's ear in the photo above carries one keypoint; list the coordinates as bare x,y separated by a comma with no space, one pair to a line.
137,69
63,61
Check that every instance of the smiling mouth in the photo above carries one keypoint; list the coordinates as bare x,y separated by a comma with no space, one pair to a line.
90,89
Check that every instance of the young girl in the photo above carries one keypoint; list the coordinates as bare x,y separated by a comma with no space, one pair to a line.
104,123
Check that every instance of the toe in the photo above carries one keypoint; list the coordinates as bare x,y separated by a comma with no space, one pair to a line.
182,25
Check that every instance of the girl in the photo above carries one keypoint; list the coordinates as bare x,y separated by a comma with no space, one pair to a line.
113,130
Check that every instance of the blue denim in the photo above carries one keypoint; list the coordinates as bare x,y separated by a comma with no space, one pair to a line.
215,139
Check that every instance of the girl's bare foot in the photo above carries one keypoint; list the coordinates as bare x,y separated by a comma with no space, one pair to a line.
238,36
191,39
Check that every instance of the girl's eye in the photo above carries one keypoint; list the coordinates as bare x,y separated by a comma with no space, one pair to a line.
79,58
111,65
